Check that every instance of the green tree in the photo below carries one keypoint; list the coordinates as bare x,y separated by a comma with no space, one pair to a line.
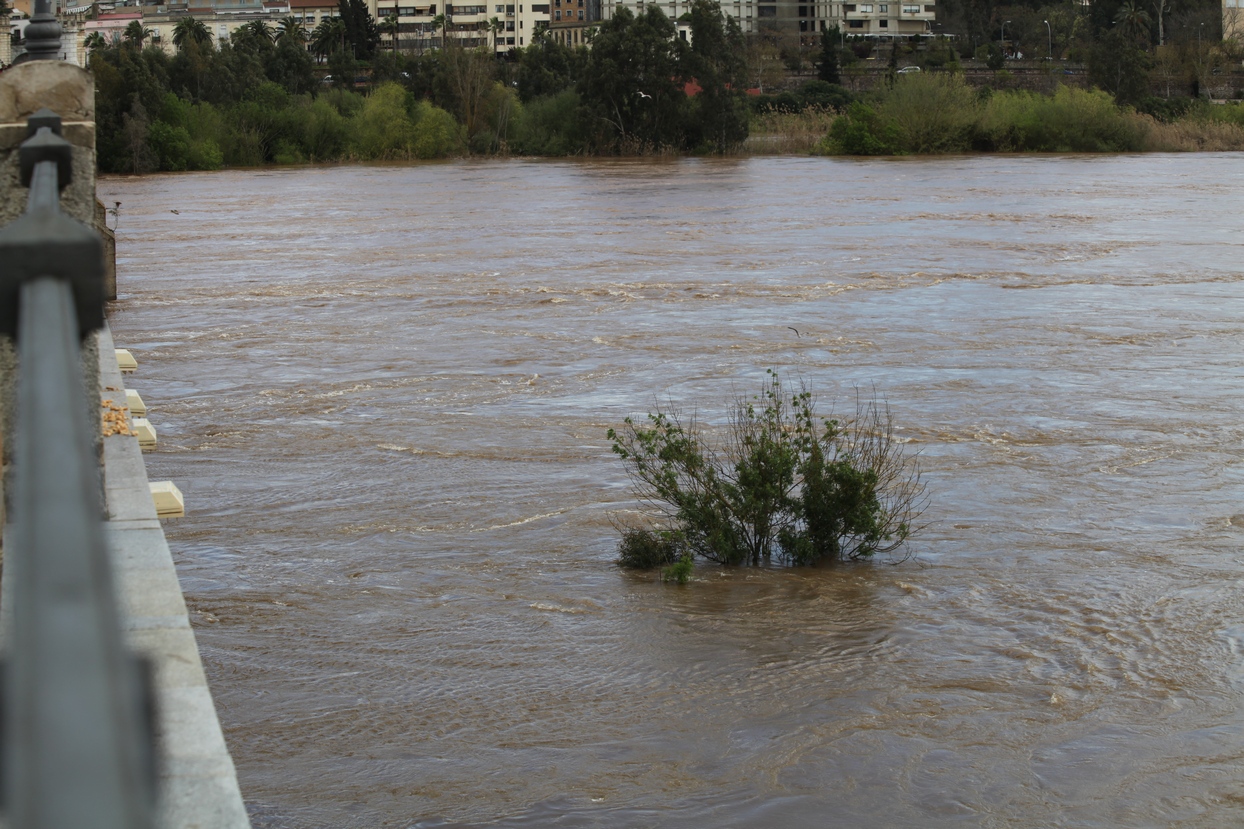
470,77
135,129
136,33
290,28
1119,66
441,22
828,67
495,27
291,66
437,135
546,67
718,118
391,27
384,128
551,125
93,43
632,83
362,33
188,30
328,37
344,68
255,38
1133,23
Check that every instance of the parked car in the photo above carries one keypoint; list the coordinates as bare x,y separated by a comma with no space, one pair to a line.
908,70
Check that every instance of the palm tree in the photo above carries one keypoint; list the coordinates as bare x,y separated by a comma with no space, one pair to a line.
495,26
439,22
136,33
389,24
260,30
188,30
1133,21
291,29
92,43
329,37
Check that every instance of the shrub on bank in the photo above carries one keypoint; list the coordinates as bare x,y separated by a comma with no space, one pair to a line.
1070,120
1201,127
939,113
862,131
550,125
813,94
934,113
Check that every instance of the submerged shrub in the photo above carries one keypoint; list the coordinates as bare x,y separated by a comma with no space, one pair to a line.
779,482
680,571
642,549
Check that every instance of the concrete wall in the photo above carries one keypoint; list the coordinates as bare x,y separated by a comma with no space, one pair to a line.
198,783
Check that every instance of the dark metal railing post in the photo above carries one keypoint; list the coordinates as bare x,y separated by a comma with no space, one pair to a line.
43,33
77,746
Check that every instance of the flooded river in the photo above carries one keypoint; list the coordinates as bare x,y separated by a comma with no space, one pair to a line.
384,392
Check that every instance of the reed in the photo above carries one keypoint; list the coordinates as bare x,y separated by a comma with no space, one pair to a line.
1193,135
786,133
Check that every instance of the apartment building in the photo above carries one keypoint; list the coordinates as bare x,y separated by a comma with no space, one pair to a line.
888,20
884,21
572,21
311,13
468,24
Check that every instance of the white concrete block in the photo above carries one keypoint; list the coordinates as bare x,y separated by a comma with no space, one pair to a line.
137,407
168,500
146,433
125,360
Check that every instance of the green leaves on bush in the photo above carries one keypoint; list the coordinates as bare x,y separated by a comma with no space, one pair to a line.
862,131
642,549
778,483
938,113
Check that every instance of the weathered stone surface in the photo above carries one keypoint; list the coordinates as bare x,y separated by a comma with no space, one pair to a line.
67,90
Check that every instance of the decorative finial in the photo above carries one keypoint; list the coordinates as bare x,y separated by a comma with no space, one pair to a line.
43,33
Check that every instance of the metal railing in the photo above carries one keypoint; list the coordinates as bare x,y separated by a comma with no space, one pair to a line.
77,711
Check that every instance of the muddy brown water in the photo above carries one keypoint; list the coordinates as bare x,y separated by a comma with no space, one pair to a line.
384,392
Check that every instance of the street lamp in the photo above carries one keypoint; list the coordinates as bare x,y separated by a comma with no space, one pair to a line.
1049,33
1002,37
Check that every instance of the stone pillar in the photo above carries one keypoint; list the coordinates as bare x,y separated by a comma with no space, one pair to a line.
6,42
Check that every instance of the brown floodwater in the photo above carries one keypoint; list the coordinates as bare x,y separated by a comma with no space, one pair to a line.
384,392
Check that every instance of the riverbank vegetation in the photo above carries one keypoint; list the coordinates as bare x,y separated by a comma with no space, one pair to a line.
285,95
776,483
259,98
930,113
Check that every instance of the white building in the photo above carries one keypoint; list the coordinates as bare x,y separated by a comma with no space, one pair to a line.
468,24
884,21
